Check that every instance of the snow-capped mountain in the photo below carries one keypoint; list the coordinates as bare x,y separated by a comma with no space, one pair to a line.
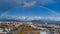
29,18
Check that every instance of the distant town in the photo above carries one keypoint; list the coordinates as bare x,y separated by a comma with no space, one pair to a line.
18,27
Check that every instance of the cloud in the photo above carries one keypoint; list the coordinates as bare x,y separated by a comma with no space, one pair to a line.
8,4
32,2
29,4
29,18
25,3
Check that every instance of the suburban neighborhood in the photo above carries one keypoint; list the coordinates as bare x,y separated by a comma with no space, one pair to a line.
14,27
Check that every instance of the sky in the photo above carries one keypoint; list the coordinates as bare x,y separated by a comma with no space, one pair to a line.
44,8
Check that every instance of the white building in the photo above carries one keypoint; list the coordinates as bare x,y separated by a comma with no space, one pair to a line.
46,32
1,30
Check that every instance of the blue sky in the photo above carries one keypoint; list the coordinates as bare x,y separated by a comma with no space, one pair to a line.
43,8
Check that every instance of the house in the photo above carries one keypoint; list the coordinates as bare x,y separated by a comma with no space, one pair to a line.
1,30
46,32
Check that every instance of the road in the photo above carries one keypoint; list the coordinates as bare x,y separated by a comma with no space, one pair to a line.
20,29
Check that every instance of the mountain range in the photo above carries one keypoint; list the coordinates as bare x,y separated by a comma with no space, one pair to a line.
32,18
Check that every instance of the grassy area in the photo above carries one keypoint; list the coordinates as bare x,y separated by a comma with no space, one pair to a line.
27,28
